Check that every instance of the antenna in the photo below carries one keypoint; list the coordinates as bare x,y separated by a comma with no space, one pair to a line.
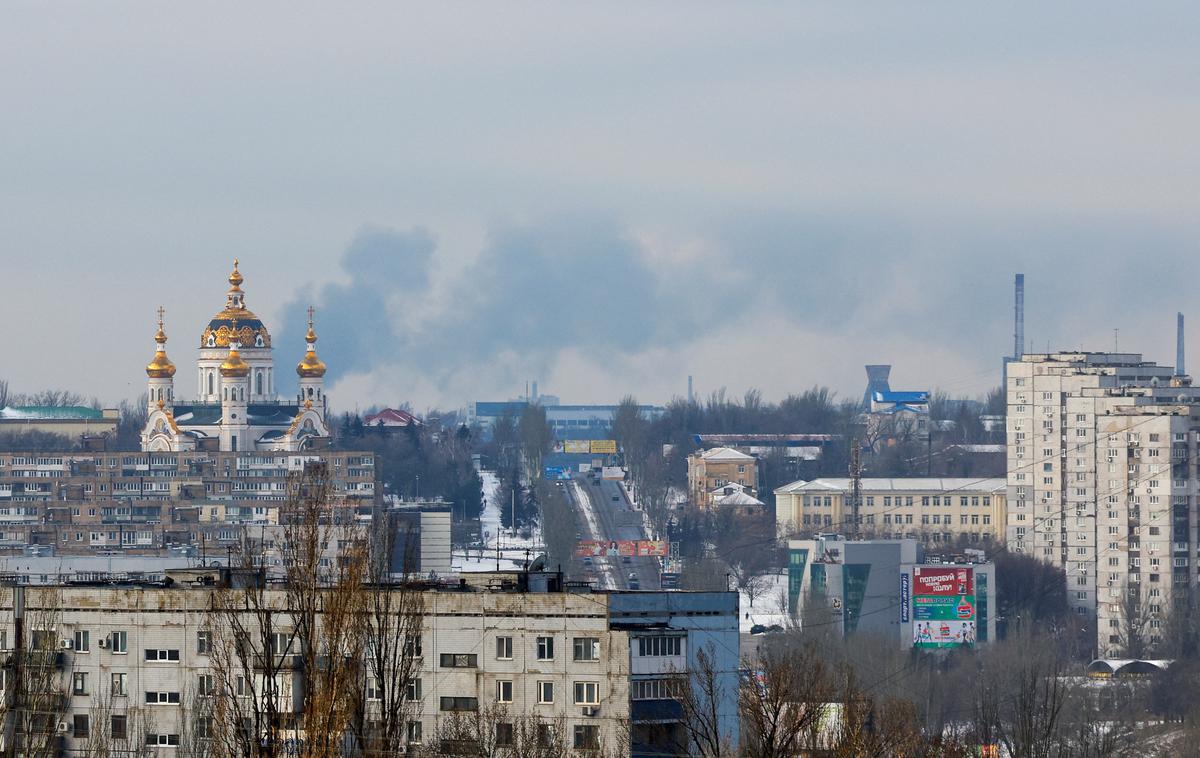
1019,317
855,485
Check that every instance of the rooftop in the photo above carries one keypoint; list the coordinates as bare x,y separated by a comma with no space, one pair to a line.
914,484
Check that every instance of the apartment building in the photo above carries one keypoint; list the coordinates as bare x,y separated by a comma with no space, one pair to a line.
711,470
930,509
1102,482
592,666
96,502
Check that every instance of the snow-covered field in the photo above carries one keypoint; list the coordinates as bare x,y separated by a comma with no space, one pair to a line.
512,548
770,604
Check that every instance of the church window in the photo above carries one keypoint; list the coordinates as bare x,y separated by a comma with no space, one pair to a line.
258,342
310,391
212,342
210,383
258,379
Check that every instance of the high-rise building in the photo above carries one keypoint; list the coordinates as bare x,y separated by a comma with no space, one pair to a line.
1102,482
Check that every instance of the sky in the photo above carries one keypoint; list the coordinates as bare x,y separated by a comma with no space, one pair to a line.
603,197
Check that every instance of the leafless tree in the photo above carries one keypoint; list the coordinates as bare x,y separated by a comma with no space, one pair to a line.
115,729
782,703
700,692
36,698
496,732
1134,625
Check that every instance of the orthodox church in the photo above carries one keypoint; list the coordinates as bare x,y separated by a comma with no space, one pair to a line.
236,407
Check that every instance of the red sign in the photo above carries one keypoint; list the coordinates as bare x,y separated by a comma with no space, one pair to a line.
928,580
631,548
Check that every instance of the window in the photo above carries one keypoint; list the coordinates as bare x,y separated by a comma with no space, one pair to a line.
281,642
587,737
650,689
504,648
545,692
79,683
83,641
660,646
587,649
154,654
205,686
460,704
545,648
80,731
459,660
504,691
412,646
203,642
117,728
413,690
587,693
545,735
374,691
119,683
504,735
414,732
118,640
162,740
162,698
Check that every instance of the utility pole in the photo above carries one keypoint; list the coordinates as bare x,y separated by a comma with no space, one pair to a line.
514,513
855,484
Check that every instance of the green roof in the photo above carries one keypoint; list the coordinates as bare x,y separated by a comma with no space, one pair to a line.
35,412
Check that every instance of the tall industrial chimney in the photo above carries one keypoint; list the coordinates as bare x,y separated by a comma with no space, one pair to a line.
690,396
1179,371
1019,319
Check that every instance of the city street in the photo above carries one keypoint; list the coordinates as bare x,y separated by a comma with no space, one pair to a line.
605,514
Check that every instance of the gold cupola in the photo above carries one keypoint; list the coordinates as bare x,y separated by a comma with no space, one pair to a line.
161,367
311,366
236,322
234,366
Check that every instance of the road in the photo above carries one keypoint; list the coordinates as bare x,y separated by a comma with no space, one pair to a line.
607,515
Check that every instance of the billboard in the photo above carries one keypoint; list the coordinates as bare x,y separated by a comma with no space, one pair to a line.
630,548
577,446
943,606
613,473
603,447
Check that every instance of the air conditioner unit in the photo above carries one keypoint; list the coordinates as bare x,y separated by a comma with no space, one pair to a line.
102,643
65,644
590,710
63,727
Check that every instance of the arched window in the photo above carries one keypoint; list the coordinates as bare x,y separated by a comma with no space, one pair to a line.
258,342
210,382
258,381
310,391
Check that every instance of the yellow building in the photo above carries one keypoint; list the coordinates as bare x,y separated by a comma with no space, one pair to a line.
710,470
934,510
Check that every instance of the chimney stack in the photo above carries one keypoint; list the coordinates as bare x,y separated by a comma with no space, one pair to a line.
1179,369
1019,318
690,396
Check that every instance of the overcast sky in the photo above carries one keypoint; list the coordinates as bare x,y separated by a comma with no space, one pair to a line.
605,197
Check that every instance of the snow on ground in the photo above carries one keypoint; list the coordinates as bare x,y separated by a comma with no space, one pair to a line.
767,608
603,568
512,548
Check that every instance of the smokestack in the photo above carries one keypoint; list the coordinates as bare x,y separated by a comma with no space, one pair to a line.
690,396
1019,318
535,394
1179,370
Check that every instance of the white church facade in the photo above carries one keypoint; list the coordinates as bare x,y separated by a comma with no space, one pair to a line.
236,407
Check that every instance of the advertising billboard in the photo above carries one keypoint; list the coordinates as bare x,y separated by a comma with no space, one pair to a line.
613,473
943,606
630,548
577,446
603,447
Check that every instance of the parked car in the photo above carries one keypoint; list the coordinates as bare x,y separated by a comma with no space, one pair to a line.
633,585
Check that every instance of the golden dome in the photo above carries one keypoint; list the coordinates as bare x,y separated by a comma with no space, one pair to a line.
234,366
311,366
236,322
161,367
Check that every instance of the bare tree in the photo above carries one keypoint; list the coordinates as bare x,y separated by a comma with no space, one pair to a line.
701,692
783,702
1133,631
36,696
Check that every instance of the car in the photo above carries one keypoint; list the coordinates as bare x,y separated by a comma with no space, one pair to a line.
587,560
616,498
758,629
634,585
625,559
633,576
595,482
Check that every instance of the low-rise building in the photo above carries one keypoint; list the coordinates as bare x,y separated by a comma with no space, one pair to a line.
71,422
140,664
933,510
710,470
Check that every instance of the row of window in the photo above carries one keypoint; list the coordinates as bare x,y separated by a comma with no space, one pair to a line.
585,693
907,501
582,649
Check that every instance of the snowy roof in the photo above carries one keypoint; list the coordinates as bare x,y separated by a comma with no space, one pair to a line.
738,498
725,454
46,412
391,417
915,484
977,448
721,490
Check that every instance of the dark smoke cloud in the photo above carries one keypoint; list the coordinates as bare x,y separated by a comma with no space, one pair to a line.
589,284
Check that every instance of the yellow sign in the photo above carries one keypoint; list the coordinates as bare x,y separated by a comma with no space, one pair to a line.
604,447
